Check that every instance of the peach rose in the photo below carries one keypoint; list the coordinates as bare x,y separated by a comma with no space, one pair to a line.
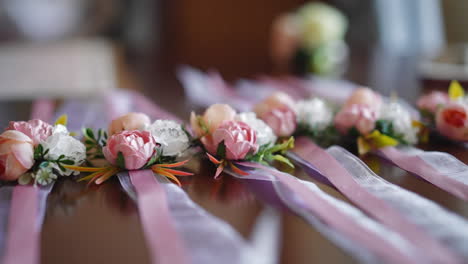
16,154
213,117
364,96
136,146
276,100
452,121
35,129
130,121
362,117
430,102
284,39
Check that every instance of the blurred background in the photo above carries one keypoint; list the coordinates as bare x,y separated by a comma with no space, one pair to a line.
78,47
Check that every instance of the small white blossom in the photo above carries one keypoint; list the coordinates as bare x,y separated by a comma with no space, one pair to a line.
170,135
60,143
265,134
401,119
315,113
45,175
60,129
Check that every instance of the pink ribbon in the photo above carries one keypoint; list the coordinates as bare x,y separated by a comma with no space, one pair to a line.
417,166
334,217
378,208
165,244
23,237
24,223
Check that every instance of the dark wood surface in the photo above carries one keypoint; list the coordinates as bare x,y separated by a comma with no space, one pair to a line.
101,225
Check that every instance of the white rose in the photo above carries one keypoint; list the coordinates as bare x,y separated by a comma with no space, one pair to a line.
401,119
173,139
60,143
265,134
314,113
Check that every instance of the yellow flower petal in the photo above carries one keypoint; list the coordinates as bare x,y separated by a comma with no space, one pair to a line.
456,90
62,120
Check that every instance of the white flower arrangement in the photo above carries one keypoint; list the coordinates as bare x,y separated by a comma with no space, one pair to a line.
401,119
314,113
173,139
265,134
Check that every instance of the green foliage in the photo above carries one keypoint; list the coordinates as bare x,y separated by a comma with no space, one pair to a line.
386,127
322,137
269,153
221,150
94,142
120,160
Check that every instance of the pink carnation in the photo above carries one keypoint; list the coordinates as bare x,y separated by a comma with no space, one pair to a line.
36,129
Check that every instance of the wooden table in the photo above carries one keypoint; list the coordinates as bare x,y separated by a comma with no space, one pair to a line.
101,225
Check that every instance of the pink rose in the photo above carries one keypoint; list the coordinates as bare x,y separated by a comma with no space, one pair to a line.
16,154
130,121
213,117
276,100
430,102
136,146
35,129
451,121
238,138
364,96
281,120
362,117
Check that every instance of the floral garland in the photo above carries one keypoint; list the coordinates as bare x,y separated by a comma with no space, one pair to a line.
365,119
228,137
37,151
447,113
134,143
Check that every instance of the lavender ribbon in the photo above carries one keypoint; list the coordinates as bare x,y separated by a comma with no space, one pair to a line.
439,168
411,215
346,226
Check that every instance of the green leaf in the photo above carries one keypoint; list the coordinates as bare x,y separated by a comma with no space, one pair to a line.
61,167
152,160
88,132
67,162
89,142
61,157
121,160
40,149
284,160
221,150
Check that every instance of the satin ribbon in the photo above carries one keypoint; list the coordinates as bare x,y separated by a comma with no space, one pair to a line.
166,246
415,164
341,178
307,200
27,208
